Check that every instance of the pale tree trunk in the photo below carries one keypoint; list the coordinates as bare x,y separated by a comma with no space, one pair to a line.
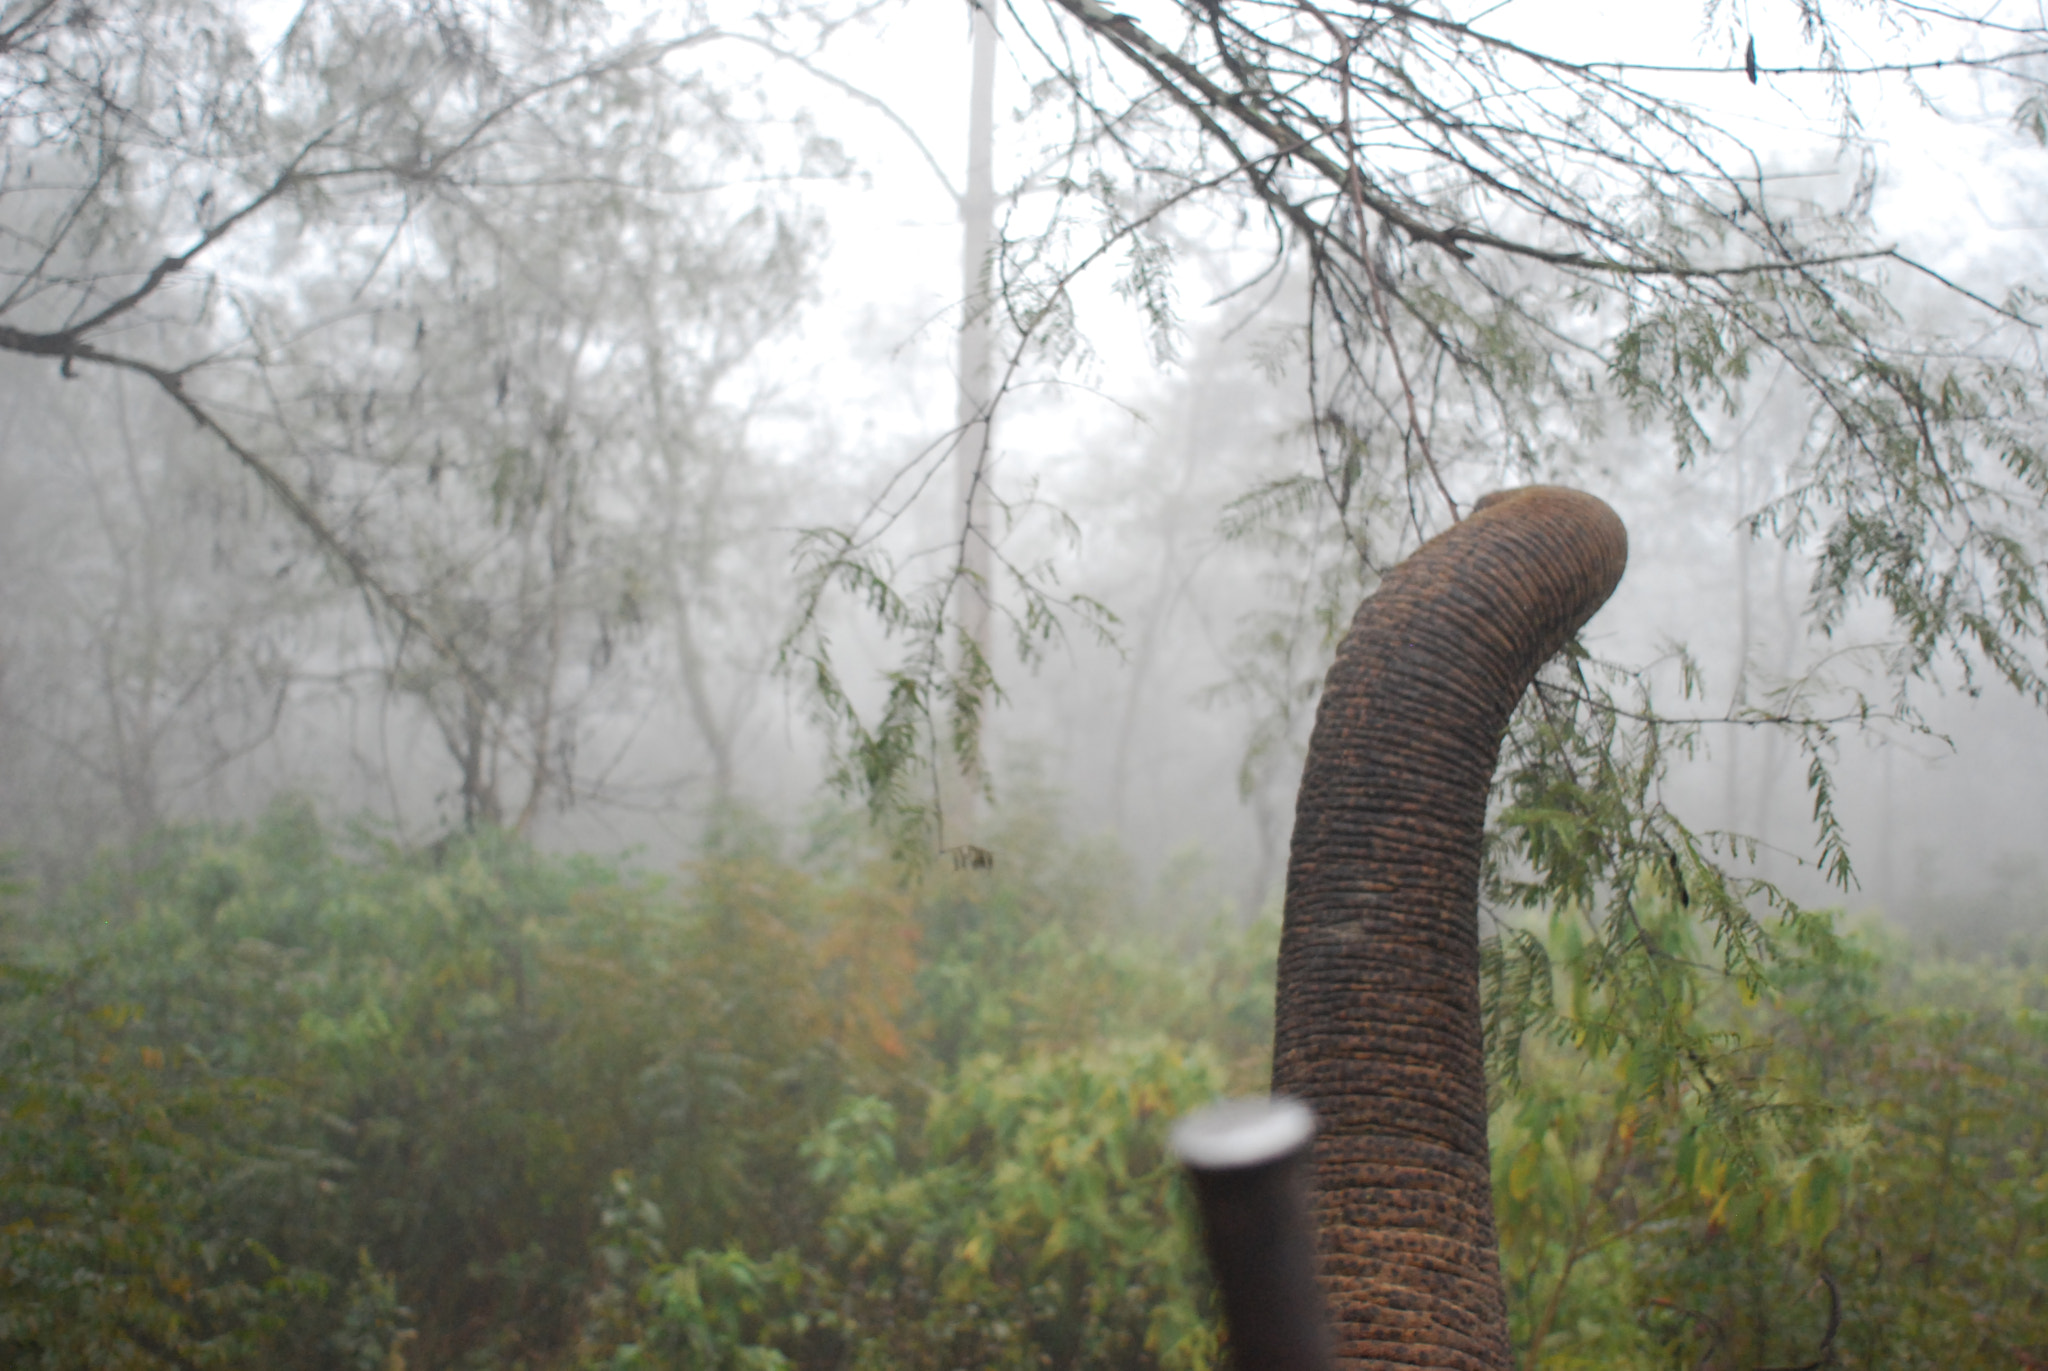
973,419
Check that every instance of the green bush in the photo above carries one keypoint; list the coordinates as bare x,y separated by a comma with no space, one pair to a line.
287,1098
1034,1219
273,1097
437,1059
1891,1187
130,1174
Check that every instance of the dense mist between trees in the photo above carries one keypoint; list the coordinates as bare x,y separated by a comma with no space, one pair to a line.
576,464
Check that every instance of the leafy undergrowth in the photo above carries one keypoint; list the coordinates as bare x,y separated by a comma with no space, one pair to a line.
287,1098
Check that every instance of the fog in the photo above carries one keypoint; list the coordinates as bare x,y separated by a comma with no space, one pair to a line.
175,650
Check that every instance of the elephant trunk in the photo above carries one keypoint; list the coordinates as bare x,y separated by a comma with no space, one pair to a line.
1377,1022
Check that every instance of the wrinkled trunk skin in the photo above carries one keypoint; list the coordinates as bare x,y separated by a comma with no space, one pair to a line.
1377,1022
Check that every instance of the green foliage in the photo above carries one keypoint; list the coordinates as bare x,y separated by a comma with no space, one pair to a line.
1649,922
276,1098
711,1309
935,699
1886,1183
438,1059
1950,1233
128,1174
1626,1165
1034,1219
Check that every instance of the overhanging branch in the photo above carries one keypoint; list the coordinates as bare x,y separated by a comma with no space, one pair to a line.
1202,96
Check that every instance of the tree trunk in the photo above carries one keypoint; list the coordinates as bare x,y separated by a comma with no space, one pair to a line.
974,416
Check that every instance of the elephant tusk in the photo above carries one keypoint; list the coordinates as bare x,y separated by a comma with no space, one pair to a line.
1247,1159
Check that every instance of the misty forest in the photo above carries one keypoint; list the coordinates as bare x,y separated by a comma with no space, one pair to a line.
655,661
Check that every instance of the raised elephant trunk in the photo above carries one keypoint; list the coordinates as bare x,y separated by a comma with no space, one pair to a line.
1377,1021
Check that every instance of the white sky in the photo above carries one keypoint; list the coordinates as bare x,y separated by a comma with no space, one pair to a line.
1958,189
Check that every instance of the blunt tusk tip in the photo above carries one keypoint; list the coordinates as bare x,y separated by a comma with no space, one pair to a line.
1236,1135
